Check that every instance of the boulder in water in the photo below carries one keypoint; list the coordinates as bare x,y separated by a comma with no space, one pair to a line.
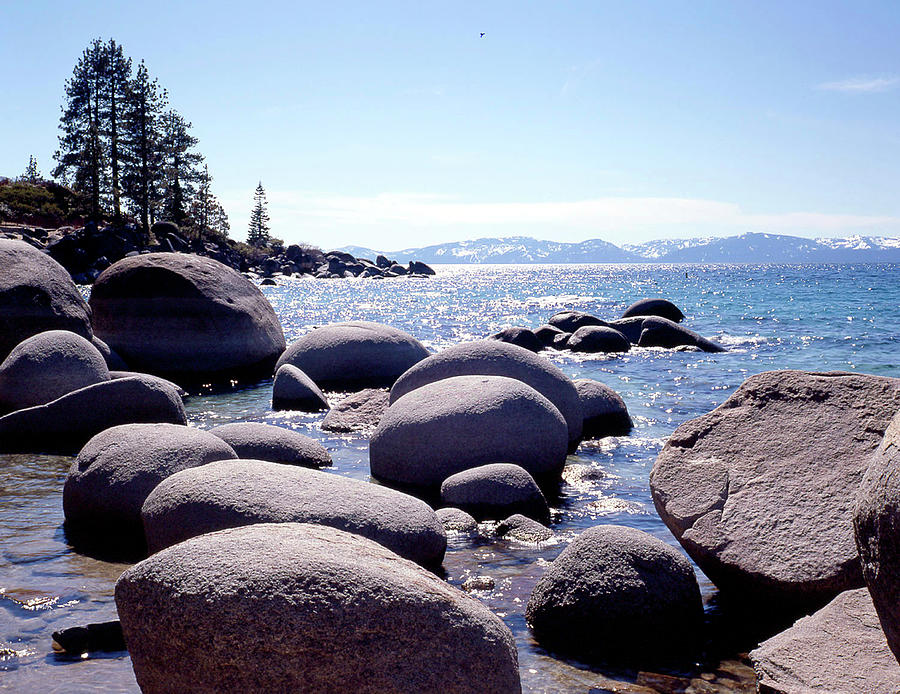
494,492
570,321
359,412
457,521
654,307
230,494
275,444
36,295
46,366
661,332
306,608
523,529
598,338
458,423
521,337
294,390
605,413
617,591
354,355
187,318
760,491
546,334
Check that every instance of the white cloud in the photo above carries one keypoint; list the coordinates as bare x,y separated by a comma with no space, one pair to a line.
862,85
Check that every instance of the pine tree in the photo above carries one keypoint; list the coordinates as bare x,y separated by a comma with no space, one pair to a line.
206,213
31,175
258,233
116,84
142,180
180,164
80,157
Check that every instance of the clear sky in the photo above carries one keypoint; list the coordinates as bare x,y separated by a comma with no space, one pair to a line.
394,124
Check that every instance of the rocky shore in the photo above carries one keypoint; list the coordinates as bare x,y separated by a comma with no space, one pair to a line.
88,250
271,574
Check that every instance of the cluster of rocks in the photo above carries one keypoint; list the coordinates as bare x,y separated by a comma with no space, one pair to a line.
85,252
646,323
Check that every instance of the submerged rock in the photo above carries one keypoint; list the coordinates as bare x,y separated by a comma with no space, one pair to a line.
598,338
230,494
840,649
354,355
547,334
457,521
46,366
570,321
462,422
875,516
116,471
359,412
617,592
493,358
654,307
523,529
661,332
272,443
64,425
605,413
186,318
760,491
36,294
520,337
301,607
495,491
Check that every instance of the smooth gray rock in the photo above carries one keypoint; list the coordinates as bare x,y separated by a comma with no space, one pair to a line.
36,294
294,390
64,425
661,332
629,327
359,412
354,355
186,318
228,494
617,591
462,422
546,334
420,268
116,471
760,491
274,444
605,413
457,521
521,337
297,607
561,341
840,649
149,377
523,529
598,338
875,520
493,358
570,321
113,361
654,307
495,491
46,366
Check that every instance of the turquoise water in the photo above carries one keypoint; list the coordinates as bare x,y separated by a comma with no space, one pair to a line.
817,317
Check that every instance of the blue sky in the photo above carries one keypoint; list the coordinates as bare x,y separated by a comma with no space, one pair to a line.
394,124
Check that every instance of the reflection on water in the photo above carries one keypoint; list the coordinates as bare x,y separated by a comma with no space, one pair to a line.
817,318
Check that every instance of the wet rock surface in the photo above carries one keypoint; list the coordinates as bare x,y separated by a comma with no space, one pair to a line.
359,412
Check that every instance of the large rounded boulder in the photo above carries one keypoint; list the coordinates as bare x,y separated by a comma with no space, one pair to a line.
605,413
185,317
875,520
494,358
353,355
617,591
229,494
598,338
64,425
36,295
116,471
661,332
495,492
46,366
272,443
462,422
654,307
760,491
297,607
570,321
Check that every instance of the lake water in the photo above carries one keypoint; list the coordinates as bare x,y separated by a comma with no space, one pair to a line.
816,317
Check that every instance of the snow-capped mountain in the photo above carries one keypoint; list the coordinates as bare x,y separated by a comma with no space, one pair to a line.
746,248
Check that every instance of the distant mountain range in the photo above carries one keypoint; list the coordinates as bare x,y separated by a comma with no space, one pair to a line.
746,248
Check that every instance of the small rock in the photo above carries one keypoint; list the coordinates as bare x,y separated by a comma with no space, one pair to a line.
605,413
358,412
521,337
598,338
523,529
495,491
478,583
456,520
294,390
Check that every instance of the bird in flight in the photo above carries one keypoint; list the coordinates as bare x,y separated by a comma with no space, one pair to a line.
482,34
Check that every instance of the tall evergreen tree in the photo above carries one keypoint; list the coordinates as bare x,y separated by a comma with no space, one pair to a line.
80,157
142,136
181,166
206,213
258,233
31,175
116,84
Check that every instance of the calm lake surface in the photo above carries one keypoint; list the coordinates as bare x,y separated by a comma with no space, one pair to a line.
817,317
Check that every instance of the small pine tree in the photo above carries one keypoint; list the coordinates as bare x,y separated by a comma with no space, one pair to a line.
258,233
31,175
